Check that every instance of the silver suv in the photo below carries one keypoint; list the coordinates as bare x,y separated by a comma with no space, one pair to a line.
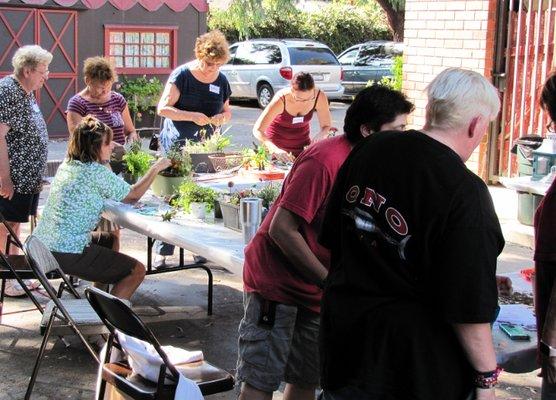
258,68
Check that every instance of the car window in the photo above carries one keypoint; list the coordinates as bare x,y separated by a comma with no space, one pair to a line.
233,50
258,53
264,53
348,57
312,56
374,55
243,55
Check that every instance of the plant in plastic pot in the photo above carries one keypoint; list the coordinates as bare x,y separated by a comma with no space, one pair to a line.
195,199
168,181
136,163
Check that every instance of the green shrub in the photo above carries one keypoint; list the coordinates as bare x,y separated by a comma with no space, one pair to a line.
338,25
141,94
395,81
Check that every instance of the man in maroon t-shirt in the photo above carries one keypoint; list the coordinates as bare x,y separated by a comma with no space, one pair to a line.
285,266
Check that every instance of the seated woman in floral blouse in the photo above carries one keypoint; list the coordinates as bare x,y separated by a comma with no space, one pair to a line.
75,204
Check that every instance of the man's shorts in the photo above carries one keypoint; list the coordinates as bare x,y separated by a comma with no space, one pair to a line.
98,262
19,207
277,343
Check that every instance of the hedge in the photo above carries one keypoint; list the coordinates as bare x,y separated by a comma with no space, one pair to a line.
338,25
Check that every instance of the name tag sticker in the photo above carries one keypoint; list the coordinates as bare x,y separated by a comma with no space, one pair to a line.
297,120
36,107
214,89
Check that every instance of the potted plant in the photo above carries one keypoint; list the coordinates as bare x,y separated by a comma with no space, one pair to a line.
229,204
195,199
136,163
142,95
207,146
256,158
167,182
256,162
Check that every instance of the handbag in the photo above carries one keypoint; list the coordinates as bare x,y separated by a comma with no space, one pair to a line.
154,144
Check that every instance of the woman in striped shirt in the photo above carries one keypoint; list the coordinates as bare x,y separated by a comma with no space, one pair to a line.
99,100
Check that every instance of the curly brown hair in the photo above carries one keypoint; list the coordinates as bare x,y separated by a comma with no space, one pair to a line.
99,69
87,139
212,47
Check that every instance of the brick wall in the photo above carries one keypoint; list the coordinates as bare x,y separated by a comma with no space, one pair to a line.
442,34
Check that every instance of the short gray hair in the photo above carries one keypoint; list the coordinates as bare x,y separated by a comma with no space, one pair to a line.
456,96
30,56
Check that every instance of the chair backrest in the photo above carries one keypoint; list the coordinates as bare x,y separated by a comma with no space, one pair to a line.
41,255
117,315
42,262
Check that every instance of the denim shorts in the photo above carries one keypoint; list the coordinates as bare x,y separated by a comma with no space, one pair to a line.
283,351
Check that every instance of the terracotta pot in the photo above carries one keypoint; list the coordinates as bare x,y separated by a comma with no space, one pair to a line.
166,185
198,210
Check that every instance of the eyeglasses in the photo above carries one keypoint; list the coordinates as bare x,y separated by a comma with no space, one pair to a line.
43,73
301,99
550,127
213,64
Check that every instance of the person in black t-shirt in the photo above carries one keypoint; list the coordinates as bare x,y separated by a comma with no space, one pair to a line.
414,239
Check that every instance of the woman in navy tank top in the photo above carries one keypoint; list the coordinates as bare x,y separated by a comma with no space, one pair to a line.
196,99
197,96
284,126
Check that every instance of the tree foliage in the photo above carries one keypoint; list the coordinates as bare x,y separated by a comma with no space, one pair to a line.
338,24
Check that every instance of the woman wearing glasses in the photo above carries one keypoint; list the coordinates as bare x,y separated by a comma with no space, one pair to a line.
23,143
196,98
284,126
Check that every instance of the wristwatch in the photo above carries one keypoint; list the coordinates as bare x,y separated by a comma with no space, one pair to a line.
547,350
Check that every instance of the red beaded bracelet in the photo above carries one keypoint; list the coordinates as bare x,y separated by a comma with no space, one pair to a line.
486,380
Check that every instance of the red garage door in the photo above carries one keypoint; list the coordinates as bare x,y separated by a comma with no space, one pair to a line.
56,31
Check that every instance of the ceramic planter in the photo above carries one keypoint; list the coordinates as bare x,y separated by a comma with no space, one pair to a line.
230,215
198,210
166,185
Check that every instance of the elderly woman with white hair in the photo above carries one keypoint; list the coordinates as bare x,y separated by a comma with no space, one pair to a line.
23,140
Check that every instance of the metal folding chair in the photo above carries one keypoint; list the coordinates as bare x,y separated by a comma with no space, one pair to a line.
117,315
61,316
14,267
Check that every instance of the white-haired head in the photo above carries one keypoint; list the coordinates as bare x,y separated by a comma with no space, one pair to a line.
30,56
456,96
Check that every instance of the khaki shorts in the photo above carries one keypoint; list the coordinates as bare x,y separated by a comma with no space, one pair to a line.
283,351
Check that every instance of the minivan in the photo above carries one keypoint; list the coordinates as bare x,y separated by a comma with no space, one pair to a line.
258,68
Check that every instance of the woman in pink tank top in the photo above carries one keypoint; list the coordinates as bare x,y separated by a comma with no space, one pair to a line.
284,126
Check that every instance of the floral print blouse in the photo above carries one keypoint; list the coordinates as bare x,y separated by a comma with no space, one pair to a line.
75,204
27,138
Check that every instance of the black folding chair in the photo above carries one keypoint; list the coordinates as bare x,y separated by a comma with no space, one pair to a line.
117,315
14,267
61,316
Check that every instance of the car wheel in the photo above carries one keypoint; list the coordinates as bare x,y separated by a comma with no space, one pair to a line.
264,95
